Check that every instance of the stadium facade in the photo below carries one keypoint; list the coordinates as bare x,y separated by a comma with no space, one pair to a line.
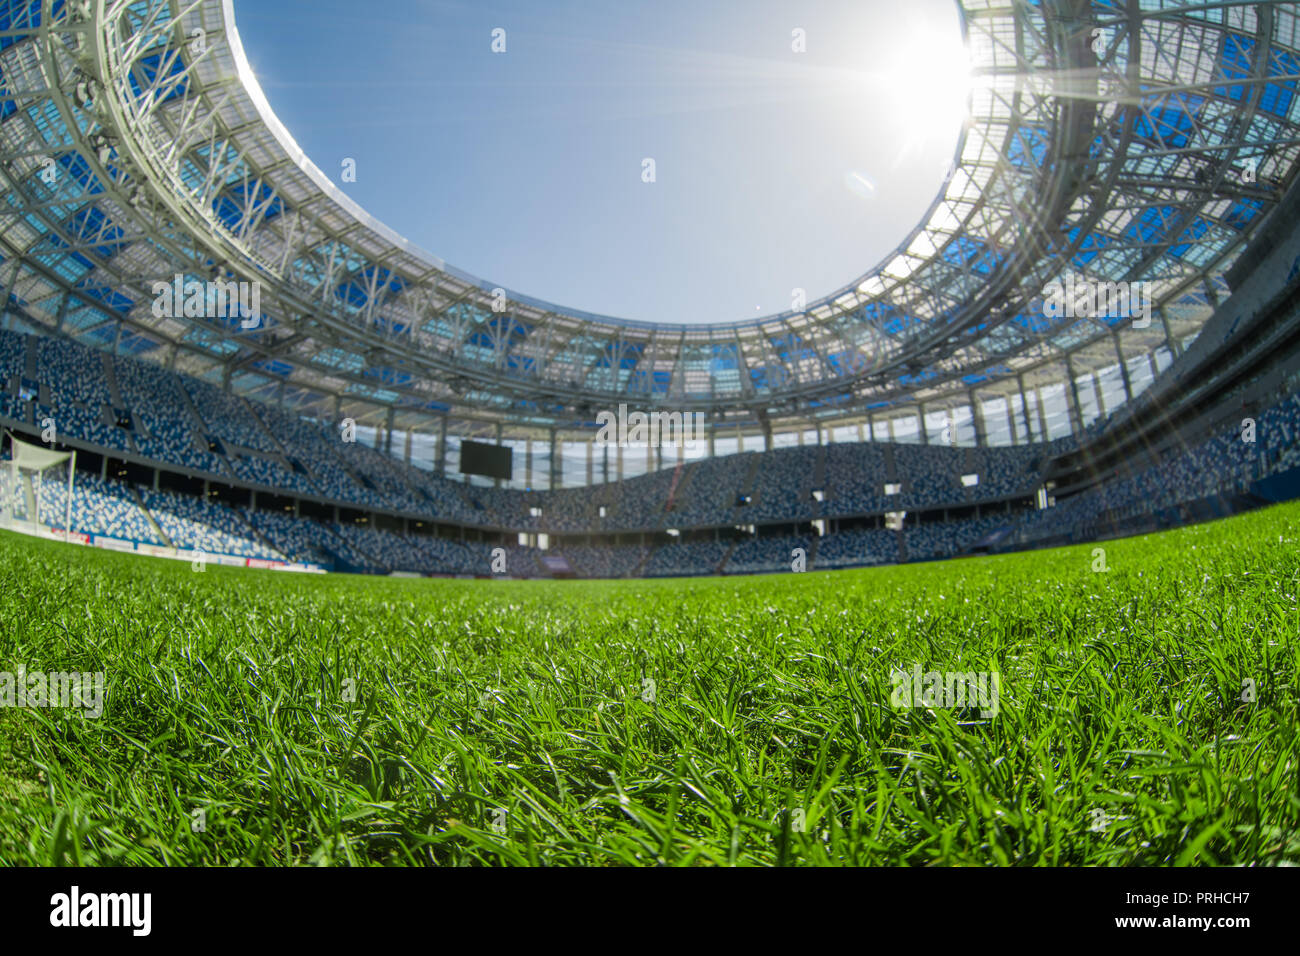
1061,349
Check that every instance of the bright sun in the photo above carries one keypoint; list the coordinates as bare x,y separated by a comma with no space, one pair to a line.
926,83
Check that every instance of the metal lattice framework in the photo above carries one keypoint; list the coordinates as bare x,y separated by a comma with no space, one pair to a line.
1107,138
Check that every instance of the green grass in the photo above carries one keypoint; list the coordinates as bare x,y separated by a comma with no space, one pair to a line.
1120,692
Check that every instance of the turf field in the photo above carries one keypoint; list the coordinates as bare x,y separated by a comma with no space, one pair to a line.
344,720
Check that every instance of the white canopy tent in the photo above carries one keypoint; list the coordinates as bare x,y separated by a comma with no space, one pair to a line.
31,462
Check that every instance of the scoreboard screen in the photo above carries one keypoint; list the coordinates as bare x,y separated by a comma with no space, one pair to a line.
490,461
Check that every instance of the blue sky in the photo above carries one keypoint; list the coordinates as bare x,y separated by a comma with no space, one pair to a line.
775,170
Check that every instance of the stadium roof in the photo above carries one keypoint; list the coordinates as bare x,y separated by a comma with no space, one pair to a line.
1107,139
